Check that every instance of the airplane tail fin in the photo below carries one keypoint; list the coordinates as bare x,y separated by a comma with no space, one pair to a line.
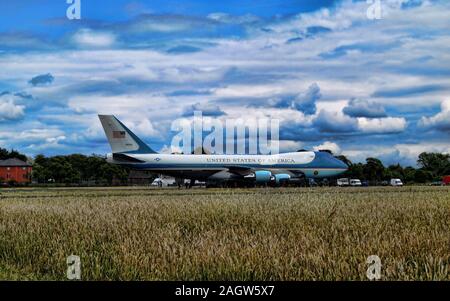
121,139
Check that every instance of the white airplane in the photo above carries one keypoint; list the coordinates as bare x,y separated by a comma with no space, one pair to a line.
130,151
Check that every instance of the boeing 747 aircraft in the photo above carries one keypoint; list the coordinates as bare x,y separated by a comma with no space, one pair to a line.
129,150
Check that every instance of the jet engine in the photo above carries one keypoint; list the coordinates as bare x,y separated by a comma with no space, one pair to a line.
263,176
281,178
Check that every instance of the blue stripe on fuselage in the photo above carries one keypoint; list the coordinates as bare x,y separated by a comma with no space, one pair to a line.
322,160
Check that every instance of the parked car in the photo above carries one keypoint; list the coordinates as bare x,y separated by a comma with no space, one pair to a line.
355,182
446,180
396,182
343,182
163,182
365,183
437,183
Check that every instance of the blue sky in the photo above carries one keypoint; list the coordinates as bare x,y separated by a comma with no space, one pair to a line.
333,77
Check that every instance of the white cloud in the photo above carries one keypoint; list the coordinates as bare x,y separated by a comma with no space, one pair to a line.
128,106
55,139
441,120
414,150
95,39
382,125
227,18
335,122
9,110
329,146
248,91
289,146
164,24
138,112
170,149
47,135
403,153
50,143
144,127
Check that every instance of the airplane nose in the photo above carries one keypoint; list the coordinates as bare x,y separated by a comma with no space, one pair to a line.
330,161
340,164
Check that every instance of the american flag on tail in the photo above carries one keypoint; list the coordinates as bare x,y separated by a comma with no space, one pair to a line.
119,134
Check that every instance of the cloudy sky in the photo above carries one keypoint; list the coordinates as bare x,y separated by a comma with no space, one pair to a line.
333,77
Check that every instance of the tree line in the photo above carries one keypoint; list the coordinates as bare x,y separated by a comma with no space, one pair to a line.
6,154
78,169
431,167
75,169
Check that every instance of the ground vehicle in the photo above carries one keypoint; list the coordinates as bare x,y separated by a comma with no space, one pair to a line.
446,180
343,182
163,182
396,182
437,183
355,182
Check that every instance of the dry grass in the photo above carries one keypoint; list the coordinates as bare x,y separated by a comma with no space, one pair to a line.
267,234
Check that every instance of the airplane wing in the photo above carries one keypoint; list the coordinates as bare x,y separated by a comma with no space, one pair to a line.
295,173
240,170
244,171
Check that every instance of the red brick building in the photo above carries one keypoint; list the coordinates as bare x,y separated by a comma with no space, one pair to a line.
15,170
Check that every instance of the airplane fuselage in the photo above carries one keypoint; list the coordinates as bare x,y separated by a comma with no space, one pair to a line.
309,164
129,150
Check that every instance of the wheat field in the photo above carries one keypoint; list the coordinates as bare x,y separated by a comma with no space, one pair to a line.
217,234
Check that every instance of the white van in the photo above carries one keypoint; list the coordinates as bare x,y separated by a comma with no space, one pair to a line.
396,182
355,182
157,182
343,182
163,182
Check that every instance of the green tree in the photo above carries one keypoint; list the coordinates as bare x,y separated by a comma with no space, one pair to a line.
409,174
373,170
80,164
93,170
41,160
112,172
437,164
5,154
15,154
356,171
78,169
394,171
39,173
422,176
